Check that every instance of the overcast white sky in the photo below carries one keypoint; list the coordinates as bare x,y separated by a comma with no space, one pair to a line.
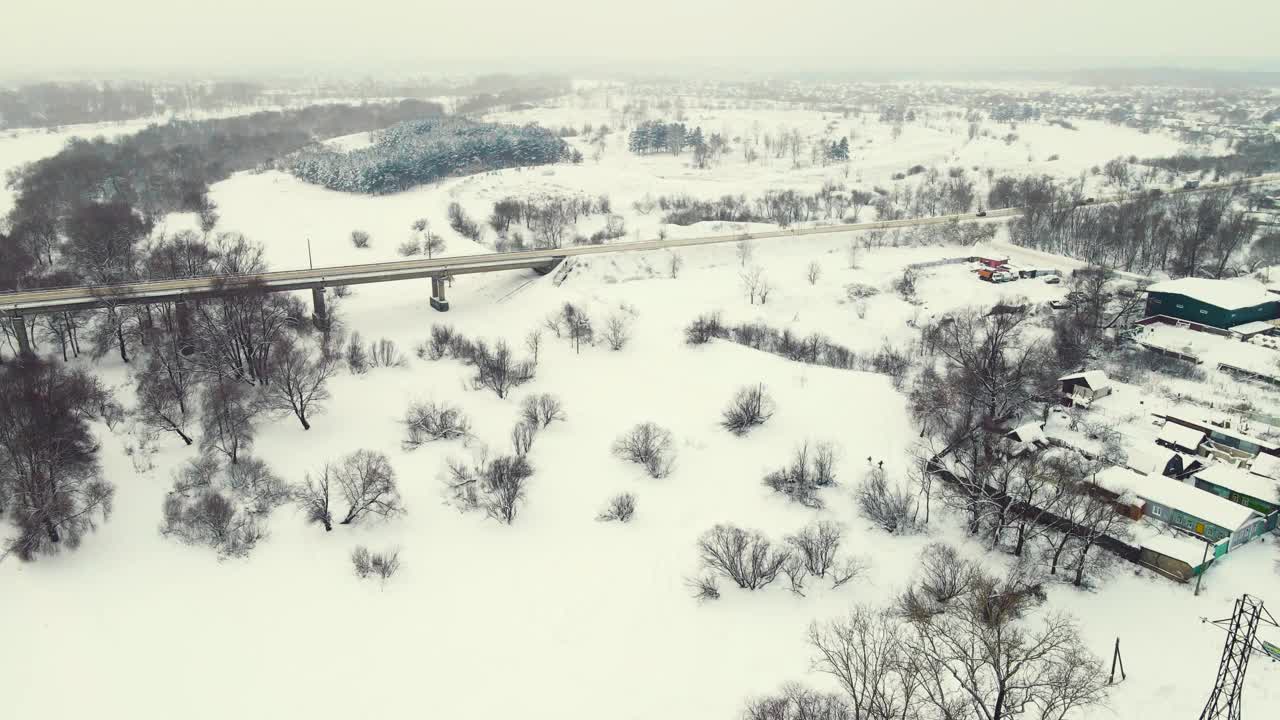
45,36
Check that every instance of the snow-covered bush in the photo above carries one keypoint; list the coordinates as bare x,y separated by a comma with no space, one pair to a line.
816,546
522,436
497,369
704,329
746,557
751,406
360,239
621,508
649,445
428,421
617,330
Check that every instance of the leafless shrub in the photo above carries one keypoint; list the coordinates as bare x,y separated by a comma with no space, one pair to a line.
496,485
497,369
621,508
382,565
649,445
860,291
541,409
442,337
751,406
384,353
890,506
846,570
368,485
428,421
578,326
617,330
816,546
745,556
522,436
222,507
409,248
944,574
707,327
704,587
356,355
796,574
813,272
809,470
533,343
360,239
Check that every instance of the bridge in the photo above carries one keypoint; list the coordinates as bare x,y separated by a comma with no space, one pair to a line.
24,303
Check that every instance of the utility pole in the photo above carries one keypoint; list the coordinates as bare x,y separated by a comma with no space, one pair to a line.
1203,560
310,265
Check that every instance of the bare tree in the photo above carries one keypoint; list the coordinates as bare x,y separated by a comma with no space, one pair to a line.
796,702
368,485
51,486
813,272
865,654
497,369
522,436
746,251
648,445
753,281
617,330
166,389
674,264
891,506
230,411
751,406
578,325
313,496
299,380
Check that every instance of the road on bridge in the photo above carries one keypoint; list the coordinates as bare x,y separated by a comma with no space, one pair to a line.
31,302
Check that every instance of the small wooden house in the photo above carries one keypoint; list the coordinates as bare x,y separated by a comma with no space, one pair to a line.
1083,388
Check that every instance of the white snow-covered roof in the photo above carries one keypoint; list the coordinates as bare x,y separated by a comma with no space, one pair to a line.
1266,465
1253,328
1181,435
1227,294
1031,432
1177,495
1152,459
1096,379
1179,547
1241,481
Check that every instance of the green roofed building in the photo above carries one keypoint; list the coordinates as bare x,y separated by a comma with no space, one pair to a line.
1218,303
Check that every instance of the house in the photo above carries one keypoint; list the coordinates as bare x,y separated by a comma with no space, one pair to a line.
1158,460
1224,441
1184,506
1084,387
1216,303
1239,486
1181,438
1179,556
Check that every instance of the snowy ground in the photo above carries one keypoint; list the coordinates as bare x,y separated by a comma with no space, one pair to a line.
558,616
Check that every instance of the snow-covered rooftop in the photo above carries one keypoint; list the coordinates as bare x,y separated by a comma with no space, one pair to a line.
1266,465
1253,328
1179,547
1231,294
1241,481
1031,432
1181,435
1095,378
1177,495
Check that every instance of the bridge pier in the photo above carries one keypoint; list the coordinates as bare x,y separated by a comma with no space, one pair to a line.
19,326
182,322
320,311
438,301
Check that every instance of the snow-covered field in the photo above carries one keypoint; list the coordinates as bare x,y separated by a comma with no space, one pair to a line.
560,616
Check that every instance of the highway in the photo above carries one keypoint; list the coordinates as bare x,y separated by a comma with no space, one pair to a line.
29,302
